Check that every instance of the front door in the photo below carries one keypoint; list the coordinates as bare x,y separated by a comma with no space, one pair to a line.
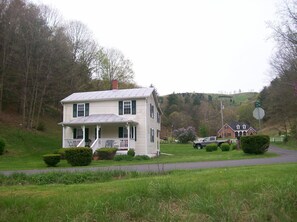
87,139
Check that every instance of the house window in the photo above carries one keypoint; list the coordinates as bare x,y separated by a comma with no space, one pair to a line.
152,135
127,107
81,109
243,126
123,132
158,117
77,133
238,127
152,110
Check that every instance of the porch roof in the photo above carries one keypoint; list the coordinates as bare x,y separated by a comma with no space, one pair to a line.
98,119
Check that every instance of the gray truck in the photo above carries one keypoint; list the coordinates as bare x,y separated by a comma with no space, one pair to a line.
202,142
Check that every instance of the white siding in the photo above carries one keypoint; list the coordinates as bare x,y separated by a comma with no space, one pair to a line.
143,144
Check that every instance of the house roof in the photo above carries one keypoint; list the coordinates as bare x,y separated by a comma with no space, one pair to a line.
109,95
234,125
98,119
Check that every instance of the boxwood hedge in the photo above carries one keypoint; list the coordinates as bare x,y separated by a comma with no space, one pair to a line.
106,153
257,144
80,156
51,159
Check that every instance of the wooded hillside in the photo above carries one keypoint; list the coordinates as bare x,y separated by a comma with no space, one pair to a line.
203,111
44,59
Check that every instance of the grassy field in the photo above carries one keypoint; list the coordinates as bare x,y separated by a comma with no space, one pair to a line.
259,193
172,153
290,145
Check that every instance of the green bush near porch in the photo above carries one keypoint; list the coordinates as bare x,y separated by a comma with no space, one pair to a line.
79,156
51,159
106,153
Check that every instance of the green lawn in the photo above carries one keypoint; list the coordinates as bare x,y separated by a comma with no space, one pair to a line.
172,153
290,145
24,150
257,193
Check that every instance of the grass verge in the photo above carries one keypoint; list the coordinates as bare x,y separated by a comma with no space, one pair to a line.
258,193
178,153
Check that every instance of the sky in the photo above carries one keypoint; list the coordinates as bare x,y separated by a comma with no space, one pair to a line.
206,46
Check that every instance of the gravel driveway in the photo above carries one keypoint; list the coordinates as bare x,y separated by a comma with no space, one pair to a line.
285,156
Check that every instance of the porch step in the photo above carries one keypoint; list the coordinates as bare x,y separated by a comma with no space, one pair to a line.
122,152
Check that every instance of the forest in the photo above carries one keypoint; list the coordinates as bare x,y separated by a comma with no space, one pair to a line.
44,59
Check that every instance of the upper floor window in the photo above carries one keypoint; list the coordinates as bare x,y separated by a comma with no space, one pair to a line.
238,126
81,109
127,107
152,111
243,126
158,117
152,135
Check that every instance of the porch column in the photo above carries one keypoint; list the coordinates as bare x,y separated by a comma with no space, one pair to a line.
84,139
128,130
97,131
63,136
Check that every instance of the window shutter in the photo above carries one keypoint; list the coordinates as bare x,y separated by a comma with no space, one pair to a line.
135,134
74,110
87,105
133,107
120,107
74,133
121,132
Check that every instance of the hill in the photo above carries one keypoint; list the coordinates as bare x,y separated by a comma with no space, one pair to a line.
203,111
28,145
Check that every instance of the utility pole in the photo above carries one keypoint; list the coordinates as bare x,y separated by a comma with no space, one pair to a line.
222,117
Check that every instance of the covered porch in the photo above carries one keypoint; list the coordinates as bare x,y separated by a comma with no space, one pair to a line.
99,131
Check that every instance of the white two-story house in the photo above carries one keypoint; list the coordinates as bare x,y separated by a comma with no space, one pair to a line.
121,118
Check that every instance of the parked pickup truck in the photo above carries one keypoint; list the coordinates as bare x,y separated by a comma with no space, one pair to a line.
202,142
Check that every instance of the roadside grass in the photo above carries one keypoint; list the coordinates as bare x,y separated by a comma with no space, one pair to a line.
290,145
255,193
178,153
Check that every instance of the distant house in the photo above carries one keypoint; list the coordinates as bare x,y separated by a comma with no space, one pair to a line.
121,118
235,130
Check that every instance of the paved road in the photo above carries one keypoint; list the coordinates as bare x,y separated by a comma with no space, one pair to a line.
285,156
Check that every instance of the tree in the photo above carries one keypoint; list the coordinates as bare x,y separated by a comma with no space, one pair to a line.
184,135
284,67
111,64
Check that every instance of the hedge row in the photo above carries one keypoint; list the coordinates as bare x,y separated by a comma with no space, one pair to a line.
79,156
106,153
257,144
51,159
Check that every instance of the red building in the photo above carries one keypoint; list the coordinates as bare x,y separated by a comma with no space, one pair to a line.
235,130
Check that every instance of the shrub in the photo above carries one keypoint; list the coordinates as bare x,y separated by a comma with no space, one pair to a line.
80,156
211,147
233,146
61,151
225,147
106,153
123,157
51,159
257,144
2,145
185,135
131,152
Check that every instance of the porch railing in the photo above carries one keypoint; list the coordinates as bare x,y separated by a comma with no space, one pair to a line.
121,144
73,142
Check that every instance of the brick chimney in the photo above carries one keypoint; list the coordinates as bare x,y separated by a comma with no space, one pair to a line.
114,84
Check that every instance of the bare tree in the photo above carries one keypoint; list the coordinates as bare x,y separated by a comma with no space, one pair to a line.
113,65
